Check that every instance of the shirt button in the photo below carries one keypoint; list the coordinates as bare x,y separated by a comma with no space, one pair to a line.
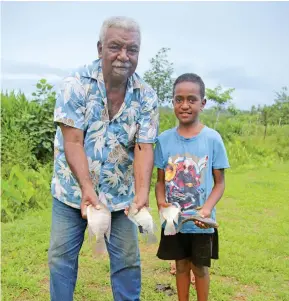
102,163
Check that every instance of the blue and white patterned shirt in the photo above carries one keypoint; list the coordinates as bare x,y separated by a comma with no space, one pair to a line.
109,144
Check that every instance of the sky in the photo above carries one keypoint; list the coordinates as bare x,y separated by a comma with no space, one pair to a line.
241,45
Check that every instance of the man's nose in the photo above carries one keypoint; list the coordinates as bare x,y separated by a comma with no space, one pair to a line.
123,55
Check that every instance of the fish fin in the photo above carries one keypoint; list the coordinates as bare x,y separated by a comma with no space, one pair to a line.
107,233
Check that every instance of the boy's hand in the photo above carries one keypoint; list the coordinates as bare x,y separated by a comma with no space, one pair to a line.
204,212
163,204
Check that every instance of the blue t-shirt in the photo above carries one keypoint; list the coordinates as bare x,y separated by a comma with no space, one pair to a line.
188,164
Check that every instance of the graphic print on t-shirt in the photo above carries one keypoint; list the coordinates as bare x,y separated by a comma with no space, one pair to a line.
184,176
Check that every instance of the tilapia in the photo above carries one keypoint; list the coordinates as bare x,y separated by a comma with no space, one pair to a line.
193,215
99,226
170,215
144,221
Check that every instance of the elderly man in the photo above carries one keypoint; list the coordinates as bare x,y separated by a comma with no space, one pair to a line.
107,123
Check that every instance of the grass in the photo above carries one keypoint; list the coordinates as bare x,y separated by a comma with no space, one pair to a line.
254,249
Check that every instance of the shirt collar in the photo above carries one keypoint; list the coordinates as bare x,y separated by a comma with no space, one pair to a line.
97,74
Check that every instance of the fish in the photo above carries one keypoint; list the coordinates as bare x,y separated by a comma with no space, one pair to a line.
99,226
193,215
144,221
170,215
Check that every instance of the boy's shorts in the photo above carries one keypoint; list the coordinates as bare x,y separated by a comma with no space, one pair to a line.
199,248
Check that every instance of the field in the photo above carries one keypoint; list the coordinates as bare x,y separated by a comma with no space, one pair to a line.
254,248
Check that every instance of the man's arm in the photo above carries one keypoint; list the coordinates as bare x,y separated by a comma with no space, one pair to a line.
77,161
143,166
215,196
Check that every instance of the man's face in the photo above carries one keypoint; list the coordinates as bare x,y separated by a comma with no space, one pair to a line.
119,53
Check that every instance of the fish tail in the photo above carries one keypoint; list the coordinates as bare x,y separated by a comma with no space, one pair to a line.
170,228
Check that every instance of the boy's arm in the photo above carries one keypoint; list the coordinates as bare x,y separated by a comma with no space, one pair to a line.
160,189
215,195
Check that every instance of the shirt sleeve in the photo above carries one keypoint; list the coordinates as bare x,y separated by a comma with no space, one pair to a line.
149,119
70,103
220,158
158,156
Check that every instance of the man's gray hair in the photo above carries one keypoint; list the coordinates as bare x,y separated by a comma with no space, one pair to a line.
119,22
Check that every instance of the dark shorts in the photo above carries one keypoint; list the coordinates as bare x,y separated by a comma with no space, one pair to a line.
199,248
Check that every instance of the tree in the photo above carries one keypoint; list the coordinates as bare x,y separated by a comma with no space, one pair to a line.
233,110
220,98
281,107
44,92
265,114
159,76
282,96
253,110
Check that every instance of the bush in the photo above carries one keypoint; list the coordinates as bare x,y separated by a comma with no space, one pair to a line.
23,190
29,121
16,149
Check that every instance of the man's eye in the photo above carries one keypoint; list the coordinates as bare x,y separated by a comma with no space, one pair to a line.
133,50
114,47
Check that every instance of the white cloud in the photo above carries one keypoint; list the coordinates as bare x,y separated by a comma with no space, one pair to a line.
36,77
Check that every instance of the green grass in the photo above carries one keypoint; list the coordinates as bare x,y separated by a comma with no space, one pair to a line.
254,249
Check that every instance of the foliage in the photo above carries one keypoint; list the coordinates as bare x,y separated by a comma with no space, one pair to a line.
282,96
24,189
44,93
30,121
28,132
160,75
220,98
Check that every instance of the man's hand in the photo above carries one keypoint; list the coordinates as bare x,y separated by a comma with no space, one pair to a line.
141,201
89,197
204,212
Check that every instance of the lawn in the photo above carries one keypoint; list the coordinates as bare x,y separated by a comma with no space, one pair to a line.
254,249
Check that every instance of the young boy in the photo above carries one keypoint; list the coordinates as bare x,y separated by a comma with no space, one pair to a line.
190,159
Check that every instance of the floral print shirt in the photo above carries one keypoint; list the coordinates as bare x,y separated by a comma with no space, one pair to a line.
109,144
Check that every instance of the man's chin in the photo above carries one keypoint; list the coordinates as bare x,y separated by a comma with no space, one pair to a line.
120,75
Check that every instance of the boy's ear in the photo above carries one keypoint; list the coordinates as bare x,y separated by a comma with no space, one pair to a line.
99,49
204,101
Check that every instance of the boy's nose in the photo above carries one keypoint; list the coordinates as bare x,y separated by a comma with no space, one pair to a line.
185,105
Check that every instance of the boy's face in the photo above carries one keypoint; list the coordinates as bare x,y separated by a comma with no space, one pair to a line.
188,102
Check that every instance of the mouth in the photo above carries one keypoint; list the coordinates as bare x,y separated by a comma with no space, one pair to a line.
185,114
121,67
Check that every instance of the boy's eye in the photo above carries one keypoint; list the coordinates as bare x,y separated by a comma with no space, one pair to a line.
192,100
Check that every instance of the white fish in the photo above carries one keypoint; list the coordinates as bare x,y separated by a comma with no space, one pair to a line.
99,225
143,220
170,215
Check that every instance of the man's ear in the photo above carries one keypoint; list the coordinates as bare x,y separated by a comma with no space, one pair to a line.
99,49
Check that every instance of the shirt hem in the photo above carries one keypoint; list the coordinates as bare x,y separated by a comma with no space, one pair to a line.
112,208
221,167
